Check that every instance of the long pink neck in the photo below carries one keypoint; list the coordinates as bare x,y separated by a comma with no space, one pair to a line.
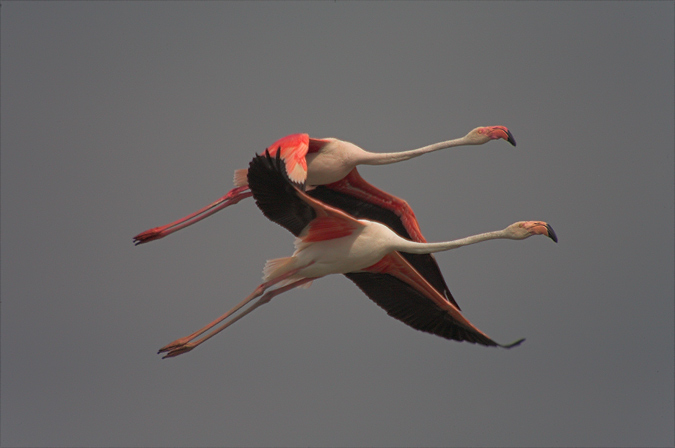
412,247
371,158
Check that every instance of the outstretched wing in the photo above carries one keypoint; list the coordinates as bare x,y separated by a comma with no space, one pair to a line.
354,185
287,205
364,201
397,287
275,194
403,302
293,149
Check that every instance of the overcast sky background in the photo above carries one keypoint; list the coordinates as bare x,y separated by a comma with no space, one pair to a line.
121,116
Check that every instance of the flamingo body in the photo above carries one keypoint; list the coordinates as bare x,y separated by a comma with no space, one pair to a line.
312,161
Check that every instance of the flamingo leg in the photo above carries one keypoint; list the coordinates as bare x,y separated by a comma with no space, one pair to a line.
232,197
179,344
179,350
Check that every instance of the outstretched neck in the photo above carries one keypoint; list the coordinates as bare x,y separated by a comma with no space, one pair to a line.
413,247
371,158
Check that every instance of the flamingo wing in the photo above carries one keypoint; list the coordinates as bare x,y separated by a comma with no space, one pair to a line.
275,194
354,185
364,201
287,205
293,150
397,287
403,302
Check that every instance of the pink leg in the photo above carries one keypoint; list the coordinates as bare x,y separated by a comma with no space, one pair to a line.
179,343
232,197
186,347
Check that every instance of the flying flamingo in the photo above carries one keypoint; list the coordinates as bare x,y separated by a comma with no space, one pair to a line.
312,162
331,241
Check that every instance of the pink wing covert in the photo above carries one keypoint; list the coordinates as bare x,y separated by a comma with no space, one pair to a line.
354,185
394,264
293,149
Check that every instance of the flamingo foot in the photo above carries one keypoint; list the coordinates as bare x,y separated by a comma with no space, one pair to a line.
179,351
177,344
149,235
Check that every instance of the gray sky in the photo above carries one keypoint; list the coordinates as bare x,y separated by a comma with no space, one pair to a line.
120,116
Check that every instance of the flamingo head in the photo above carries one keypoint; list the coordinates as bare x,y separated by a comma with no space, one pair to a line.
484,134
524,229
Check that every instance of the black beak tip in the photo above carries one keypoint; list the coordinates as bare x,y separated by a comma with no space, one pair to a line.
551,233
510,139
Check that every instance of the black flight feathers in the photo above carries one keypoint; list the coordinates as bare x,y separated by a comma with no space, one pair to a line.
275,194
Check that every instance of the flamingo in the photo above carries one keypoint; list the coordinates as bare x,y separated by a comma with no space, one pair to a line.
330,241
324,161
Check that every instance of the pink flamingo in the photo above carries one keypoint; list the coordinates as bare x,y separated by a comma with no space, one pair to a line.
326,161
331,241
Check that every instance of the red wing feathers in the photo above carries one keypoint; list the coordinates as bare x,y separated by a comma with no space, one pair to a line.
328,228
353,184
394,264
293,149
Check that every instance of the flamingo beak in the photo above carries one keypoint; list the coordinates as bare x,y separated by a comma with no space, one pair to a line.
551,233
496,132
541,228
